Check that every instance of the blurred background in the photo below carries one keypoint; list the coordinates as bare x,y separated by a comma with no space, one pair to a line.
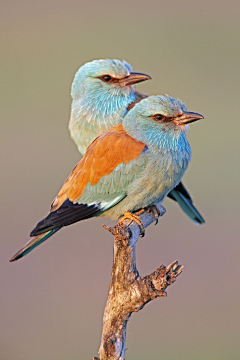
52,301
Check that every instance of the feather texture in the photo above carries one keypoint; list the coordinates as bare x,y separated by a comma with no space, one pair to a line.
98,106
131,166
102,157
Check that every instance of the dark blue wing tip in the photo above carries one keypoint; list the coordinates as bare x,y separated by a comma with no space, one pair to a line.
68,213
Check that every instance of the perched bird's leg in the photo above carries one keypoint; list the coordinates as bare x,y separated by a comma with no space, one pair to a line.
155,210
139,212
134,217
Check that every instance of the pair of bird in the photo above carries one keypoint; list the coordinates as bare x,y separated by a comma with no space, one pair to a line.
135,150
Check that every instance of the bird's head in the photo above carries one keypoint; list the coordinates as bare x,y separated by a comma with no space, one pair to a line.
158,114
107,77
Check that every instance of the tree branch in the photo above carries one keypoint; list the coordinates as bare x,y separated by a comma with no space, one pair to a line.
128,292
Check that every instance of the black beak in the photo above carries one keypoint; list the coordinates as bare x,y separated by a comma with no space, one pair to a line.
134,78
188,117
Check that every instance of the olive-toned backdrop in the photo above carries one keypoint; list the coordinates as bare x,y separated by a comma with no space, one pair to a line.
52,301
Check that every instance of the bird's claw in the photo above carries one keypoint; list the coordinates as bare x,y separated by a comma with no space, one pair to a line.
134,217
155,210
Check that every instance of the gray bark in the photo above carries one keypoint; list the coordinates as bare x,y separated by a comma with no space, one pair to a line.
128,292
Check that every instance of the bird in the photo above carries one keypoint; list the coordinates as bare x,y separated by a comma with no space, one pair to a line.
102,94
128,168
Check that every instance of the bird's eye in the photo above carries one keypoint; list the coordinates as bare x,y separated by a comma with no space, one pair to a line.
159,117
106,78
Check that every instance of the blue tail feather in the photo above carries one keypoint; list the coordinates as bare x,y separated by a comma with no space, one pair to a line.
188,207
31,244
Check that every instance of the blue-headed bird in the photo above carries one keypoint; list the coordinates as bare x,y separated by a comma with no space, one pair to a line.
129,167
103,93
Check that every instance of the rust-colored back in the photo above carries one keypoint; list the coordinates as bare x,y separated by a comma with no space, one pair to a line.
103,155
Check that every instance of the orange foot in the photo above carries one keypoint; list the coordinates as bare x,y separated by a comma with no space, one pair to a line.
155,210
134,217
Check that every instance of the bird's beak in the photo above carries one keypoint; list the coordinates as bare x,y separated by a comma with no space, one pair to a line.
188,117
134,78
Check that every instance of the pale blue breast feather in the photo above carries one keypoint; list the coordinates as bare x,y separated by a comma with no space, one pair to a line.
92,116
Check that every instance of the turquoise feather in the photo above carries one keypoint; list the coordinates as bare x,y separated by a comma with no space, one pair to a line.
159,122
98,106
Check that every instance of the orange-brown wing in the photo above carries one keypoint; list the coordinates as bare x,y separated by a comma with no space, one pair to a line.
139,97
101,158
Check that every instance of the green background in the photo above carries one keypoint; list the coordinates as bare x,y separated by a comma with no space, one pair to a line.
52,301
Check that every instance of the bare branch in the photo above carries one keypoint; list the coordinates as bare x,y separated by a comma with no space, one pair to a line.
128,292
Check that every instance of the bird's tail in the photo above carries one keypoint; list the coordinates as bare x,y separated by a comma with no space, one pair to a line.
187,206
32,243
